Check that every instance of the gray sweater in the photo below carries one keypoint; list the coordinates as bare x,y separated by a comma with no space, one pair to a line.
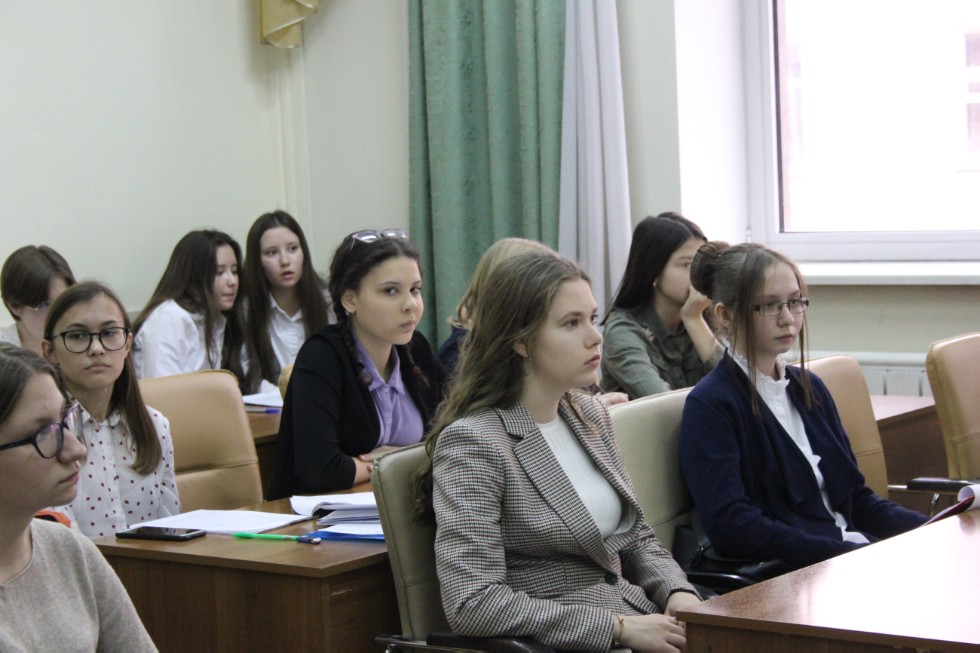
68,598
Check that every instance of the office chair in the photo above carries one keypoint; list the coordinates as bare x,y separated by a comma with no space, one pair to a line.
648,432
214,453
844,379
284,379
411,551
953,368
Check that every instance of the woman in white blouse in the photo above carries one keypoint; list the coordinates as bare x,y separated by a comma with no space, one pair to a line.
193,320
286,297
128,476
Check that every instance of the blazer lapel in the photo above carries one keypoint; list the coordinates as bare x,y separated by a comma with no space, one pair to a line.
592,443
551,482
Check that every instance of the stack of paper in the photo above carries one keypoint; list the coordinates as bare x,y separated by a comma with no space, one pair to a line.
226,521
346,516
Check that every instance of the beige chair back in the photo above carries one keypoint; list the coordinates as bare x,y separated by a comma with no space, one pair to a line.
648,432
214,453
843,377
953,367
284,379
411,543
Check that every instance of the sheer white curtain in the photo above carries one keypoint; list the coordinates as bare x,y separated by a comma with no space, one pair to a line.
594,220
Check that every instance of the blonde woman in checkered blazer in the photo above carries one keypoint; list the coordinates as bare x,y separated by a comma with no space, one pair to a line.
539,533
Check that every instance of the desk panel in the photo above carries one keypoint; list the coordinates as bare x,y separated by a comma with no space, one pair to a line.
913,444
221,593
914,591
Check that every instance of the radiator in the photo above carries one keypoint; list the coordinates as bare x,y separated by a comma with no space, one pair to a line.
890,373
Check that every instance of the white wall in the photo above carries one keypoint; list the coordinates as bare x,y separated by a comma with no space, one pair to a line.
126,123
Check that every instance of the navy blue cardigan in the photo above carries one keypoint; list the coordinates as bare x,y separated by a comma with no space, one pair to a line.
753,487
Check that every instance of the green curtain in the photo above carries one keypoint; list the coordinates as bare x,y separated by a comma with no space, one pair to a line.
485,103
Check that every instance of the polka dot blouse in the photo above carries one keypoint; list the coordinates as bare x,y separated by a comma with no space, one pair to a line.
111,494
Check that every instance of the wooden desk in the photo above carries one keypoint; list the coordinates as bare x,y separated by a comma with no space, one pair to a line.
218,593
265,428
914,591
913,444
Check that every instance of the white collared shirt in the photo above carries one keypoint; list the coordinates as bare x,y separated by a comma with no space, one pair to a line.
172,341
111,494
287,333
776,398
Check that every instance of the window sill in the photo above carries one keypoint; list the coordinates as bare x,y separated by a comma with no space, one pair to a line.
891,273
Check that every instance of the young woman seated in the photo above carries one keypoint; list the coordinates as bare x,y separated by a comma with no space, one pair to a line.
768,464
32,277
57,592
363,385
193,320
128,477
462,320
656,337
538,529
286,297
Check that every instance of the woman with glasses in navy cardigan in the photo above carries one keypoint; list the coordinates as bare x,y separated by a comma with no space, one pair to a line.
762,448
366,384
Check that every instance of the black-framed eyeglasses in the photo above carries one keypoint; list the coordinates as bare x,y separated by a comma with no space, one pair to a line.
78,341
772,309
50,440
370,235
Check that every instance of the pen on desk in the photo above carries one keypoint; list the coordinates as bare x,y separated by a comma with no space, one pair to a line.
270,411
305,539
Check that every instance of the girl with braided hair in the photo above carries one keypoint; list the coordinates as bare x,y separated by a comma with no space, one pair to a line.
366,384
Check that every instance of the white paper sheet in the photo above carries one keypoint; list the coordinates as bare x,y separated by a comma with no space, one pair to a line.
226,521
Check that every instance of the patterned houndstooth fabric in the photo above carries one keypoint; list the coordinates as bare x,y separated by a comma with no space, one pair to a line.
517,552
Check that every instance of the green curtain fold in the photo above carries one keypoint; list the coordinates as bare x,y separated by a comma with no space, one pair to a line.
485,106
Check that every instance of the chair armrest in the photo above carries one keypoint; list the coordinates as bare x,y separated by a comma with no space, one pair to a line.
939,485
489,644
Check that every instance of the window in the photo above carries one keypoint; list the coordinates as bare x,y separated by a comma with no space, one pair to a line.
868,114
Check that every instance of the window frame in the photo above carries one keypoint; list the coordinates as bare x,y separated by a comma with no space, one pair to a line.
764,194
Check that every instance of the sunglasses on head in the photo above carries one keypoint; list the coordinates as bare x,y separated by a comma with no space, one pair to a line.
370,235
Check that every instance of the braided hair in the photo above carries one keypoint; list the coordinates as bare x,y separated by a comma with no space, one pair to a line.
352,261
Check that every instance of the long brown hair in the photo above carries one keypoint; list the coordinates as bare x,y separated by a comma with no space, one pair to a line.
518,295
188,280
126,396
501,250
735,276
309,291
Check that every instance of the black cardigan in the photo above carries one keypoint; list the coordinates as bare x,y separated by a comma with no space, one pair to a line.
329,416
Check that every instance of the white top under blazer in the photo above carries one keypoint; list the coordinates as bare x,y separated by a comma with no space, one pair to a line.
172,341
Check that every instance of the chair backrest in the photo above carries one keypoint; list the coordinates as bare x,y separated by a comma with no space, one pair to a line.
648,432
284,379
953,367
843,377
214,453
411,543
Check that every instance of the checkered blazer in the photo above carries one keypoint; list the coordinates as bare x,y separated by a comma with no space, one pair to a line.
517,552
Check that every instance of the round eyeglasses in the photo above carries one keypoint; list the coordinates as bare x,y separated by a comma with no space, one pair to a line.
50,440
78,341
772,309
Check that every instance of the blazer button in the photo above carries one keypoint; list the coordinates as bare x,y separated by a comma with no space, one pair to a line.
610,578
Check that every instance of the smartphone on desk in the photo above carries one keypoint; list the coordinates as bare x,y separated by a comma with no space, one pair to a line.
160,533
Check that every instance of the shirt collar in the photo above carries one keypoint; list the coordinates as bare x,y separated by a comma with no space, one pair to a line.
764,383
394,381
278,309
648,316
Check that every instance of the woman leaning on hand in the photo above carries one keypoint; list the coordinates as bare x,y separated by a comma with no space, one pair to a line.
539,533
